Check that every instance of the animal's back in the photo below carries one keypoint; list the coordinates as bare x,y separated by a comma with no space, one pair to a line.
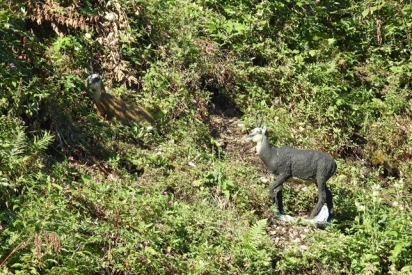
308,164
110,107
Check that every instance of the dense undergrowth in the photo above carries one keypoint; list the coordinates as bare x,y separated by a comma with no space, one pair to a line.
81,196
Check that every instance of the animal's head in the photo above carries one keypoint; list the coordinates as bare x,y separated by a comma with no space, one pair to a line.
258,133
94,82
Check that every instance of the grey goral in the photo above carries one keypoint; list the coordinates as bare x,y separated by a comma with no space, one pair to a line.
286,163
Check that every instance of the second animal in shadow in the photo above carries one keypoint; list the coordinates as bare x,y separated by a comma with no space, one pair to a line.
109,107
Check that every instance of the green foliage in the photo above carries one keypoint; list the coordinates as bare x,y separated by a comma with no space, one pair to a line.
17,153
253,251
371,246
219,179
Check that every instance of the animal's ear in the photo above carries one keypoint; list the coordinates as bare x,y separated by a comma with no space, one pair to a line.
264,129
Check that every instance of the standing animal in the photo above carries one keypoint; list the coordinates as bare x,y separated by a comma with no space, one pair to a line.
109,107
286,163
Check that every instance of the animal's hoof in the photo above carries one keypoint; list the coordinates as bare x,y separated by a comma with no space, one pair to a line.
320,221
285,218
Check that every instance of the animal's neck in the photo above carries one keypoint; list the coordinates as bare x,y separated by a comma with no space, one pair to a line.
98,93
264,150
262,145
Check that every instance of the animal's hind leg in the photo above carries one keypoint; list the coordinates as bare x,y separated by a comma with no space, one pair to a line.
322,198
329,203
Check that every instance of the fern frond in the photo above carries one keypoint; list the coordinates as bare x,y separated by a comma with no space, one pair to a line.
37,147
255,235
19,145
12,148
17,152
40,144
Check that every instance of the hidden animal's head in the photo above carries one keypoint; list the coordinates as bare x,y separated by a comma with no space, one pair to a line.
94,82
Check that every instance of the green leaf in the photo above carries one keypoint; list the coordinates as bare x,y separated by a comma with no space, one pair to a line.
313,52
151,251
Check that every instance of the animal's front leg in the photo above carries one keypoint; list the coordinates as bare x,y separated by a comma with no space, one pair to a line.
277,186
277,200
